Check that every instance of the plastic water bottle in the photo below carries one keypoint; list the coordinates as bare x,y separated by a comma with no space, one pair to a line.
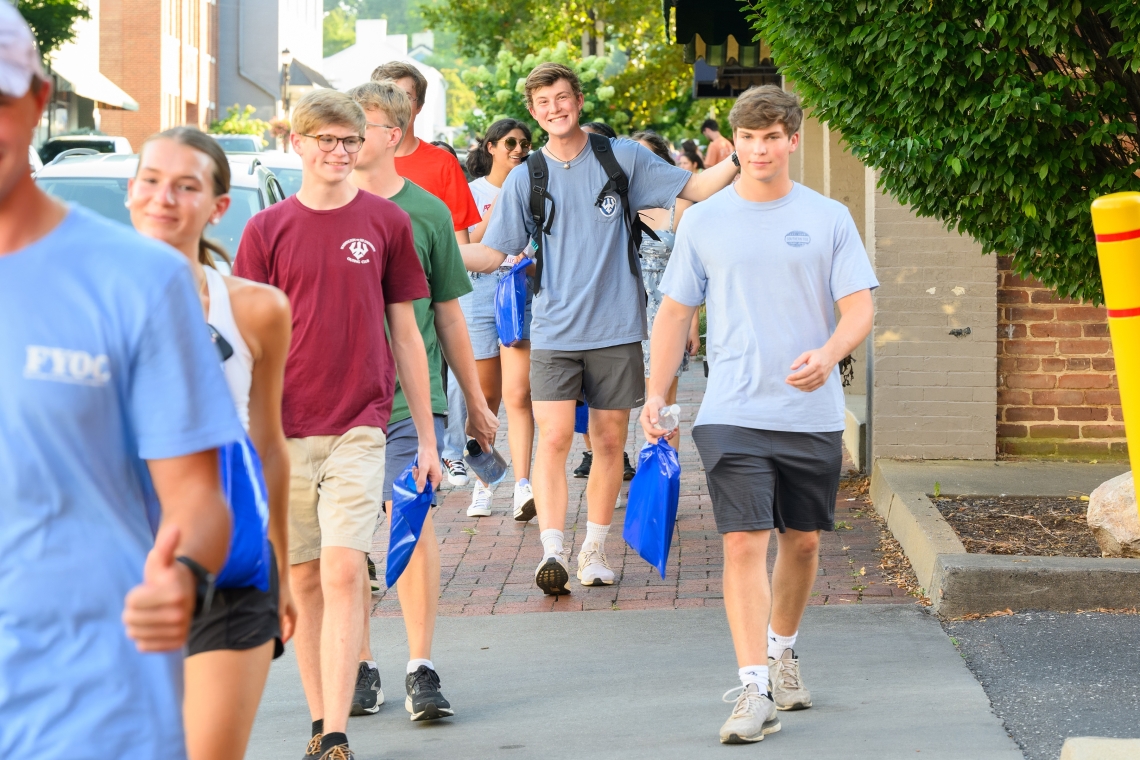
488,465
669,417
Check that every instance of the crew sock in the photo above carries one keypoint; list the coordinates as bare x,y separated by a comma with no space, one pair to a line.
777,643
318,726
757,674
596,534
328,741
414,665
551,541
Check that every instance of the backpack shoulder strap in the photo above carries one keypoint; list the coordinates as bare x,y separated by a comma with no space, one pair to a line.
539,180
618,182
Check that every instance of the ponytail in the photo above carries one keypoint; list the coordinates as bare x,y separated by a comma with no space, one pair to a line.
208,249
480,161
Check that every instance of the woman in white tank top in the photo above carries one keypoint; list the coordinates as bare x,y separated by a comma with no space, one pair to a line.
182,185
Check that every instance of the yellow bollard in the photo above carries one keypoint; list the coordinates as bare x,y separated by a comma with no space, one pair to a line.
1116,221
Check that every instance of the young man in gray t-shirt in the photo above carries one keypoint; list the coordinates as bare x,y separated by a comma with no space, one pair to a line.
771,260
589,312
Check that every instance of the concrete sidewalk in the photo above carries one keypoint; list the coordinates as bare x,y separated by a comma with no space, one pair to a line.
646,684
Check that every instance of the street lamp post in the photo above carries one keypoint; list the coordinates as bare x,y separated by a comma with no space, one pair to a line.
286,62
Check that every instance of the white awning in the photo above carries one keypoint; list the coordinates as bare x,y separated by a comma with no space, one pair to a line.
92,85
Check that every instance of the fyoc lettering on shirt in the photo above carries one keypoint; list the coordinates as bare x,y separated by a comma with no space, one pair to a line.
64,365
797,238
359,248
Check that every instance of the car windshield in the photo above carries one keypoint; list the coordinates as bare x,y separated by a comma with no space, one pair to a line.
107,196
241,144
290,180
55,147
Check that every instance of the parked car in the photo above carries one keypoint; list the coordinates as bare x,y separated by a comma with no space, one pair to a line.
34,160
285,166
239,143
99,143
99,182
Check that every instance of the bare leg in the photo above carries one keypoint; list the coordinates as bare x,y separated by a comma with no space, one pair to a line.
342,629
491,381
306,580
797,561
223,690
418,589
520,415
586,440
610,428
747,598
555,434
366,597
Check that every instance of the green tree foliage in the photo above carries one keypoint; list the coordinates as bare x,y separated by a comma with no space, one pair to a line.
339,30
1002,118
52,21
240,121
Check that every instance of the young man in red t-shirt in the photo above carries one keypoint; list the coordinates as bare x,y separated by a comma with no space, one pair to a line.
347,261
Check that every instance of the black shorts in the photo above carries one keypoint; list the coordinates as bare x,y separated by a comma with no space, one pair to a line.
611,378
239,618
765,479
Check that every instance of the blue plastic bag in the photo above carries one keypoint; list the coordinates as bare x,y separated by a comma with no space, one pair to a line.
652,509
244,486
406,522
510,303
582,418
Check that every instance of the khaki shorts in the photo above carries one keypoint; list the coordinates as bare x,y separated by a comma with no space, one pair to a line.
335,482
611,377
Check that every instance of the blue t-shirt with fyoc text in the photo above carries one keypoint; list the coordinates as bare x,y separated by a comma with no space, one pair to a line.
105,361
588,298
769,275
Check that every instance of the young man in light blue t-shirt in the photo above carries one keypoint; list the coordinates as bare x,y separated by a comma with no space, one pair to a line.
112,405
771,260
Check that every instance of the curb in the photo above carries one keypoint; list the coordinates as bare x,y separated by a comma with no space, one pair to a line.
959,583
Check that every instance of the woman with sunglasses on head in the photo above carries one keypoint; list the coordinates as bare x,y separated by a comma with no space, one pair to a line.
504,373
182,186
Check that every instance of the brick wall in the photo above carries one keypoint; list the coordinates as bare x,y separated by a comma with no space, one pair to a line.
1056,382
934,395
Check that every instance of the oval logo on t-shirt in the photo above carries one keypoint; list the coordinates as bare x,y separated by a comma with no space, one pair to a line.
797,238
609,206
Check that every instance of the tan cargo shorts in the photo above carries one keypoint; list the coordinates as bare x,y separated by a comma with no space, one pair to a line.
335,487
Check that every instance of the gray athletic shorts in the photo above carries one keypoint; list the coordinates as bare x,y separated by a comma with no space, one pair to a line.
402,446
765,479
612,377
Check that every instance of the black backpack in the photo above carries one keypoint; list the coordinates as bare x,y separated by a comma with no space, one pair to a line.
618,182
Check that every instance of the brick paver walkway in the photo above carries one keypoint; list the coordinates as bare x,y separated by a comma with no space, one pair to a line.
488,563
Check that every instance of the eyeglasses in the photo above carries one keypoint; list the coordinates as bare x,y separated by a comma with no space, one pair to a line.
512,143
327,143
379,126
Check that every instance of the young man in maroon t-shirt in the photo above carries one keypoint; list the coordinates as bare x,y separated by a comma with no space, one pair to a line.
347,261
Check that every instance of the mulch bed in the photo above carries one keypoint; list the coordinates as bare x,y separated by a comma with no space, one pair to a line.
1024,526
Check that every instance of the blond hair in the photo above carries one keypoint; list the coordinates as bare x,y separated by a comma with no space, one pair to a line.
546,74
761,107
395,70
385,97
321,108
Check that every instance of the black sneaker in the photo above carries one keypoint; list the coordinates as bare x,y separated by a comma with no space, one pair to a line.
629,472
424,700
375,584
583,470
368,696
313,751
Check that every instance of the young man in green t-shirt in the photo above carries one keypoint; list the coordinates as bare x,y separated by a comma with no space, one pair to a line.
444,330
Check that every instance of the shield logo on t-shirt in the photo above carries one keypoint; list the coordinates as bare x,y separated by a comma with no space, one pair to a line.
608,206
359,248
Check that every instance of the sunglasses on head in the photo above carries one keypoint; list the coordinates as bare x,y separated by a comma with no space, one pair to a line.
512,143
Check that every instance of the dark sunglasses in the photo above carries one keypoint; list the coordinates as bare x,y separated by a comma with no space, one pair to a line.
223,345
512,143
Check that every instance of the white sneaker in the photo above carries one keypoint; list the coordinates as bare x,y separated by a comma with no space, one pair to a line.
456,472
480,501
593,569
524,502
753,716
552,575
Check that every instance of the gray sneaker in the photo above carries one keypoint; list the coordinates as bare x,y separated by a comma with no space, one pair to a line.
753,716
788,690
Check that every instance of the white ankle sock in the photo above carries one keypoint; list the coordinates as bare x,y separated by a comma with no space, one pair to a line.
757,674
414,665
523,482
551,541
596,534
777,643
370,663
